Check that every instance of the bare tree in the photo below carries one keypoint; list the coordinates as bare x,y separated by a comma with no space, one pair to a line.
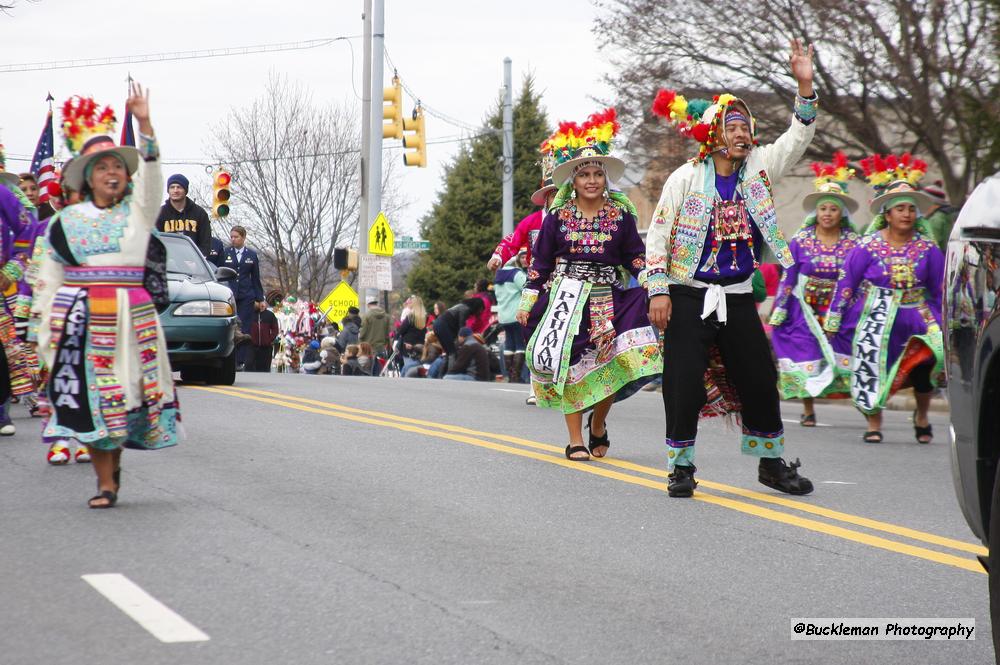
295,181
892,74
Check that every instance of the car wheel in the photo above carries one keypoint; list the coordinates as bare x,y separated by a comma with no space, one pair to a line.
994,559
194,374
224,375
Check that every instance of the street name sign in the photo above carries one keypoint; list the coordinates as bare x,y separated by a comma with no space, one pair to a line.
406,242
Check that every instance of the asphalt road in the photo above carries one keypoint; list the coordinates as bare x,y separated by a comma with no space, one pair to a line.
351,520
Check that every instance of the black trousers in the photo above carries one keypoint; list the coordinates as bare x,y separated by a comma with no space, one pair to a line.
745,352
258,359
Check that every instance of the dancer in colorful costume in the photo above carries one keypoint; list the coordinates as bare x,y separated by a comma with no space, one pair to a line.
589,337
704,243
527,229
59,452
806,365
885,317
95,298
17,228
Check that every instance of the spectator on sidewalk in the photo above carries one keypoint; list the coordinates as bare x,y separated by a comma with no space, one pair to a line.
179,214
411,332
329,356
367,360
447,326
510,281
472,362
375,327
311,360
216,252
349,362
263,332
481,322
350,329
431,359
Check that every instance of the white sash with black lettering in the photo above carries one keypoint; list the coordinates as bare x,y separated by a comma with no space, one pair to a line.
554,330
870,337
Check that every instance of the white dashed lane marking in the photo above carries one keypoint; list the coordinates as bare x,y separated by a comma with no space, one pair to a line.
164,624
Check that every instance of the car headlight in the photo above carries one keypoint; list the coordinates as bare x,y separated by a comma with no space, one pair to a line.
205,308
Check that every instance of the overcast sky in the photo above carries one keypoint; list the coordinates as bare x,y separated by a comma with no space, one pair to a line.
449,52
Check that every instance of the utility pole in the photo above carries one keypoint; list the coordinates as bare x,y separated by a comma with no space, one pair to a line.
364,220
508,151
375,159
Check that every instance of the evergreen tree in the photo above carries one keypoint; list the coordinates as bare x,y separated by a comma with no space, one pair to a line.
464,226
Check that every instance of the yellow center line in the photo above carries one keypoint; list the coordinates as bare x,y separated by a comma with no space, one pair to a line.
358,415
847,518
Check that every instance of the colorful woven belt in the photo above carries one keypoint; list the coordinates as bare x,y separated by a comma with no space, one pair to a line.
586,271
103,276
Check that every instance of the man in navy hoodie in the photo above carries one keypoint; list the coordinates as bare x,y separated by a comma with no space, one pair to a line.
182,215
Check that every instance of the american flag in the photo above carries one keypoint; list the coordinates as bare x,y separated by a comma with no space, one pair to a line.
128,133
42,165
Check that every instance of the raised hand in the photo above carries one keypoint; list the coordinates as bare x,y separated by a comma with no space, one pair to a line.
138,103
801,64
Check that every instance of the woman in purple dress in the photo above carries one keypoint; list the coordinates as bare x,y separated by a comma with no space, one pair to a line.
590,340
806,365
885,317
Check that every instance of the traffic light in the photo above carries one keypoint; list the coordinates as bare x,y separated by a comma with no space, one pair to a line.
392,110
345,259
221,180
417,140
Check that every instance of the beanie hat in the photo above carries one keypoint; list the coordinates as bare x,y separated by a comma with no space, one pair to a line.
465,331
314,344
178,179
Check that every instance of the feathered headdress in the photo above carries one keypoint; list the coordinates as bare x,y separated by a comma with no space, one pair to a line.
82,120
831,186
836,173
697,119
882,171
598,132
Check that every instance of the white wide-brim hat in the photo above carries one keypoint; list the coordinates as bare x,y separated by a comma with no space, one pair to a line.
95,148
10,178
900,189
827,189
614,167
538,198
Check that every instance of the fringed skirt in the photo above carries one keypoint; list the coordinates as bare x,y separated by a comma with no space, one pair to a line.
109,384
588,341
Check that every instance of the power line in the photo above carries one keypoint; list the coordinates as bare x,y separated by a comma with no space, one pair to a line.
430,110
204,161
175,55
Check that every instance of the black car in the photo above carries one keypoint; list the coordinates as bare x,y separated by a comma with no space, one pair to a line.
200,322
972,359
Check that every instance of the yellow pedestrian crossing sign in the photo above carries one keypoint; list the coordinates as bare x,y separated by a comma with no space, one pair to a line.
381,239
338,301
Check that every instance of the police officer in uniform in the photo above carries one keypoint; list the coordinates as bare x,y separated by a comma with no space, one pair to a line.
246,286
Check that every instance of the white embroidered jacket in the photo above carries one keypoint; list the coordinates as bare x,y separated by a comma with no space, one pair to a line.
676,236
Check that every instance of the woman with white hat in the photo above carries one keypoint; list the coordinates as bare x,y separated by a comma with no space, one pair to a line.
589,338
806,365
95,300
885,316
